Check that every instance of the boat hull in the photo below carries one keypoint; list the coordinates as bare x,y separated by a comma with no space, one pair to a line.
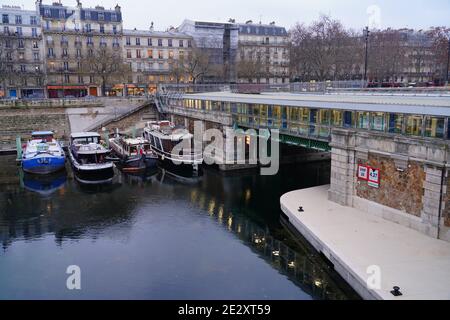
91,172
45,164
182,169
138,164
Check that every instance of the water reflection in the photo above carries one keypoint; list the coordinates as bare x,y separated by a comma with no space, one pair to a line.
301,267
243,205
44,185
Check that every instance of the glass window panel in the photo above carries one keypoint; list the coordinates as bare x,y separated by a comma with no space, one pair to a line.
434,127
263,111
378,121
276,112
303,130
324,132
325,117
349,119
294,114
363,120
313,116
395,123
256,108
336,118
414,125
304,115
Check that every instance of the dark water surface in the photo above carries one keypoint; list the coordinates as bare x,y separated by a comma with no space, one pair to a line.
158,237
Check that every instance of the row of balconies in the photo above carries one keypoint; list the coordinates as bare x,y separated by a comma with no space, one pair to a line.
19,36
79,44
81,31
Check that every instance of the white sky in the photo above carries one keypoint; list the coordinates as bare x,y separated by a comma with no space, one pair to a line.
416,14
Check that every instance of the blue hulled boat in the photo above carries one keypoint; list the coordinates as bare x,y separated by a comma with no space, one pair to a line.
43,154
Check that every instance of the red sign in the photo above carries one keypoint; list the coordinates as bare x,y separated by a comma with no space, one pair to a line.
363,172
369,174
374,177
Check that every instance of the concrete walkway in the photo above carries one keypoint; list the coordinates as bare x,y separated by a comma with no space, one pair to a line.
354,241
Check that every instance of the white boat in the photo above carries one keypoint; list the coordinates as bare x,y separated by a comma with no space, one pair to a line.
134,154
89,157
164,136
43,154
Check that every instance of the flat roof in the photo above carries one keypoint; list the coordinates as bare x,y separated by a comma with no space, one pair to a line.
84,135
42,133
396,103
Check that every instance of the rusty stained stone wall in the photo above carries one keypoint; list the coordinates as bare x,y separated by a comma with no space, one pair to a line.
399,190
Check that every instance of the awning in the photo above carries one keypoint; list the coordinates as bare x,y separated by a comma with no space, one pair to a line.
66,87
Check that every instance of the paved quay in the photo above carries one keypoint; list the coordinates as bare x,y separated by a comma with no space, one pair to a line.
354,241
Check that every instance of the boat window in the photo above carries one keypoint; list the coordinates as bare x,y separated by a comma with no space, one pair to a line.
47,138
86,140
152,140
158,144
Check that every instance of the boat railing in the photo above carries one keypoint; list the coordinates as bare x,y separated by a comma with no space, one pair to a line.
190,157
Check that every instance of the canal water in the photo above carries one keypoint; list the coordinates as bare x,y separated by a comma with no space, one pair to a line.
158,236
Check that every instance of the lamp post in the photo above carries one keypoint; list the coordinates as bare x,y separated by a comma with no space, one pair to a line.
366,33
448,64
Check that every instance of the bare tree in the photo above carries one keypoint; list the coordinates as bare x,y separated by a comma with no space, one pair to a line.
387,55
107,66
250,66
198,64
439,37
178,70
321,50
6,67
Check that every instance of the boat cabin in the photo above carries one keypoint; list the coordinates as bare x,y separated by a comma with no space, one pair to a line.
134,146
43,136
85,138
87,149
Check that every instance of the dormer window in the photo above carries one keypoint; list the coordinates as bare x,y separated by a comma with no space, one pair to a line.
62,14
113,17
87,15
101,16
47,12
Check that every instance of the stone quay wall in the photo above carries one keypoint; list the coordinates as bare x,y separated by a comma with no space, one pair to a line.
414,178
23,120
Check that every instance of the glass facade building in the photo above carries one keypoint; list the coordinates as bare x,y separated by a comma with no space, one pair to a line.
317,123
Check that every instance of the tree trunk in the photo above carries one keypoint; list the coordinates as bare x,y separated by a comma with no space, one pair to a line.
103,87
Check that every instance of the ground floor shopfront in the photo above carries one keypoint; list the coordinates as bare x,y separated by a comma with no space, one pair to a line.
25,93
72,91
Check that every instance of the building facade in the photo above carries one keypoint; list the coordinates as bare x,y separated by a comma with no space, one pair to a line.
219,41
402,57
71,34
263,54
21,54
156,58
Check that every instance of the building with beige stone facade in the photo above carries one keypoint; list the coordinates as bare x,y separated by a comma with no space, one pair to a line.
71,34
263,54
21,53
156,57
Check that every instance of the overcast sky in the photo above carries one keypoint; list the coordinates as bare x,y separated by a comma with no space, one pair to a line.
416,14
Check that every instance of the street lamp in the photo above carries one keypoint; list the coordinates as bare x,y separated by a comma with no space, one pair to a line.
366,33
448,63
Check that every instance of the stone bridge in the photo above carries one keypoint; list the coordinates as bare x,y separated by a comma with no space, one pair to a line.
390,152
